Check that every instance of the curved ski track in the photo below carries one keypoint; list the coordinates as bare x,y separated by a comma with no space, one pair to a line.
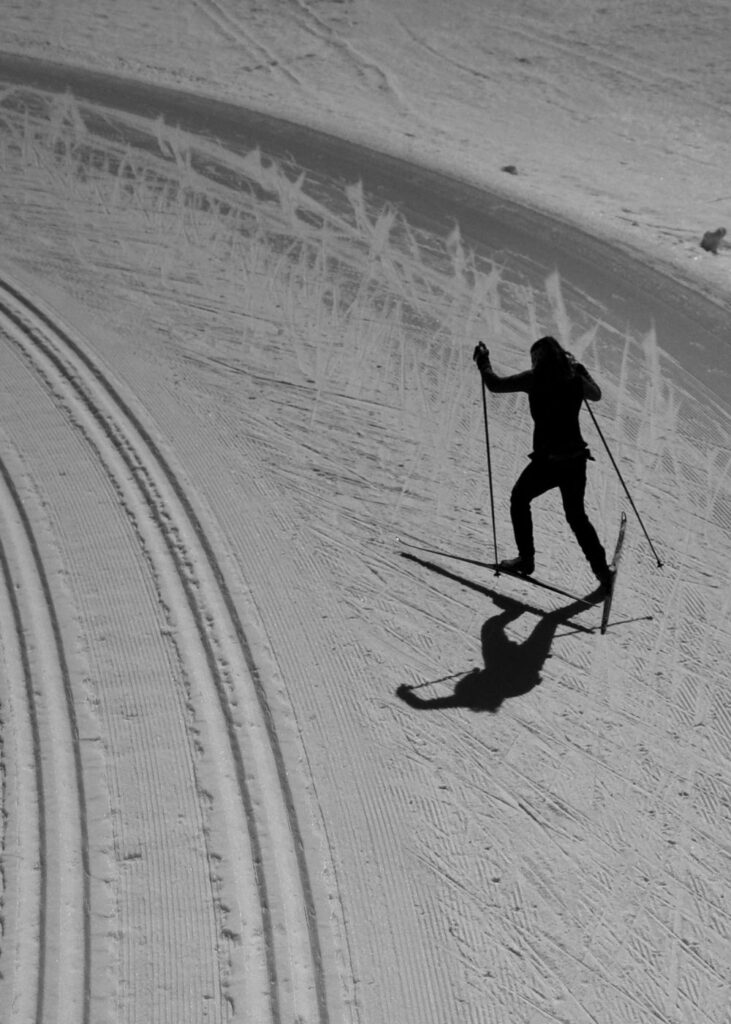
274,925
52,925
308,29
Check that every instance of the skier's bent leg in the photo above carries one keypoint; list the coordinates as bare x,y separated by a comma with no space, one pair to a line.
572,493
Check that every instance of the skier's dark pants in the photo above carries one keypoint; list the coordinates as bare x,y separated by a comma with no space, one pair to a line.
542,475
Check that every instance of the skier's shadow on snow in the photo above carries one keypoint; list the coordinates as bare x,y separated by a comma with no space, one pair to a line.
511,668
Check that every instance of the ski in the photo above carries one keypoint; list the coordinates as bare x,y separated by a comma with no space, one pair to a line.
534,580
589,601
614,566
488,590
415,546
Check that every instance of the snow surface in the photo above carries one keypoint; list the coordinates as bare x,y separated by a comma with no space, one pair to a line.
261,759
614,114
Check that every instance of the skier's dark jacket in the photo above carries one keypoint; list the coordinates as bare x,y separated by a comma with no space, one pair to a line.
554,405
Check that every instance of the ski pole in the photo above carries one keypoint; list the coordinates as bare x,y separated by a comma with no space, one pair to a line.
489,474
442,679
621,480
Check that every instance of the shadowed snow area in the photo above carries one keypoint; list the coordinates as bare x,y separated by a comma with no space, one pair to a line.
274,746
613,115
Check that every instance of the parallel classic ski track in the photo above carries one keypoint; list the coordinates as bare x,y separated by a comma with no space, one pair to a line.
50,347
49,696
32,910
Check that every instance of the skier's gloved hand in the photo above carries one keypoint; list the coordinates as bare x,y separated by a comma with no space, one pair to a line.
481,356
590,388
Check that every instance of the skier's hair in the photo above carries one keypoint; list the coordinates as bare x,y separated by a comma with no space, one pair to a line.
555,361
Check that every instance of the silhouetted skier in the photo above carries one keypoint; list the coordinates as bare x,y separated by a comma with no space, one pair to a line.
556,386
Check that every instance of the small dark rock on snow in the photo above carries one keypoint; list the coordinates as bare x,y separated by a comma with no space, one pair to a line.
712,240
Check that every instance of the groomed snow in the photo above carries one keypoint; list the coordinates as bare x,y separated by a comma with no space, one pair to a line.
613,114
262,759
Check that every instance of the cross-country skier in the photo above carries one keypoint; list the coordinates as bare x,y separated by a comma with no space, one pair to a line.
556,387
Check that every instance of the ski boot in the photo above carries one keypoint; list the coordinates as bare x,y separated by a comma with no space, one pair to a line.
519,566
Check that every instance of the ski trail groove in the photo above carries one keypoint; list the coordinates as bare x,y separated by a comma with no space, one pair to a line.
29,898
295,974
62,993
232,27
366,67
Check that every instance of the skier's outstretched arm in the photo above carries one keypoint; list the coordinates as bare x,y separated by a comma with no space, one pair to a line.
592,391
495,383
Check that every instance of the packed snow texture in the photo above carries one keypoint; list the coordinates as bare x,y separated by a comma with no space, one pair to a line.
615,115
227,410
